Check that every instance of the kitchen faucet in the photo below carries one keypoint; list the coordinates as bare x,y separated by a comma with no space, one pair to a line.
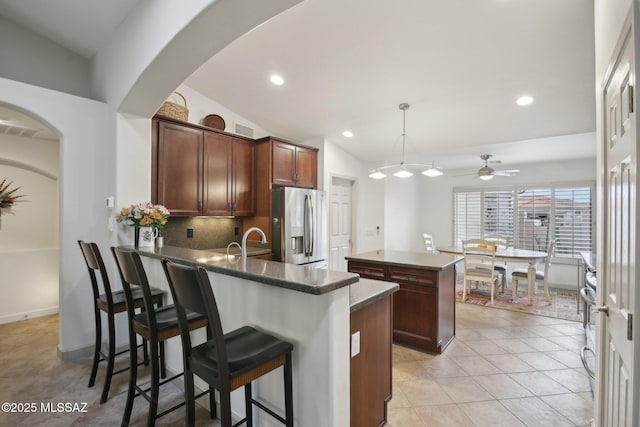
243,248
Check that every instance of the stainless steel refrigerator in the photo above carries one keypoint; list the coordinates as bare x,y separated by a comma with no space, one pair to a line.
299,226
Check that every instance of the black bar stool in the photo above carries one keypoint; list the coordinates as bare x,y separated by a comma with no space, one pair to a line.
111,303
154,325
228,361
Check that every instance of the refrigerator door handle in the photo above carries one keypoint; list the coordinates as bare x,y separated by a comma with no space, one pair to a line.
312,227
305,230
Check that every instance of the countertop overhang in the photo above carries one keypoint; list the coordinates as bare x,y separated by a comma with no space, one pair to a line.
367,291
299,278
419,260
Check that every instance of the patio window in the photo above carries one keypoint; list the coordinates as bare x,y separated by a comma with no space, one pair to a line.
529,216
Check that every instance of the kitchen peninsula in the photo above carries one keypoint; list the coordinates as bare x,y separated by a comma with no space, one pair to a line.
424,306
310,307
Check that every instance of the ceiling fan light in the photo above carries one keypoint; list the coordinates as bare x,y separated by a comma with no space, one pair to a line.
486,177
376,174
432,172
403,173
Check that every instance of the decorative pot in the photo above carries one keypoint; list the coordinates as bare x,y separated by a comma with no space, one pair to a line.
144,237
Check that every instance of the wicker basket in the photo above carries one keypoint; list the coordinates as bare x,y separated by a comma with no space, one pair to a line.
173,110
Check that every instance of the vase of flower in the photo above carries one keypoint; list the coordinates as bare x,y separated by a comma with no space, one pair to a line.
146,219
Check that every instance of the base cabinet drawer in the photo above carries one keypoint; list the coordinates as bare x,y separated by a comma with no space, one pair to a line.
368,271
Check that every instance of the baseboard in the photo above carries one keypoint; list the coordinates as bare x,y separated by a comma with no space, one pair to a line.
16,317
75,355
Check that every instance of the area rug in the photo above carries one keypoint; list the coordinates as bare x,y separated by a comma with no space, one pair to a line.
562,305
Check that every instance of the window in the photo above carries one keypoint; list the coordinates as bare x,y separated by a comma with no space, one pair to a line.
529,215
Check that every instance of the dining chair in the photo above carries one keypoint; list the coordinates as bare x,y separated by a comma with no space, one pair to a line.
541,276
226,361
428,242
110,302
479,262
501,267
153,325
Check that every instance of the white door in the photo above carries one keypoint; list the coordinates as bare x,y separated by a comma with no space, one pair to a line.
617,282
340,225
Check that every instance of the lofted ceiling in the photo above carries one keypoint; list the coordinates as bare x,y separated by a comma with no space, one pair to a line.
348,64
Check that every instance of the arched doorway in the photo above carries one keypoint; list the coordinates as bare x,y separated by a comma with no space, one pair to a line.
29,230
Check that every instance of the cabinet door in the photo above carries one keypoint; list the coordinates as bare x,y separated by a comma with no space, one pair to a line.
306,173
284,163
179,185
415,318
217,174
243,162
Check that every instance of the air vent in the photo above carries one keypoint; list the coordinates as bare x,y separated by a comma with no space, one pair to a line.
243,130
9,129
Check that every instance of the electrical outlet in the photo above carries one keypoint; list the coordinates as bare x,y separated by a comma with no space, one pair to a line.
189,233
236,231
355,344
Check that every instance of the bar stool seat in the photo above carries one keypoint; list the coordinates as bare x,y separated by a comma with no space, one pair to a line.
110,302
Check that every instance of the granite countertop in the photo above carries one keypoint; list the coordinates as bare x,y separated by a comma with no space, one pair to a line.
420,260
290,276
367,291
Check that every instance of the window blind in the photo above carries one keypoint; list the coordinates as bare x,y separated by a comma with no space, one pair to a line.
529,216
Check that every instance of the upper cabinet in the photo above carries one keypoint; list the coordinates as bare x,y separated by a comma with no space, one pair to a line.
196,171
293,165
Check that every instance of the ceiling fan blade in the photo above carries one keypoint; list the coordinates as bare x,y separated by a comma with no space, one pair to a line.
508,172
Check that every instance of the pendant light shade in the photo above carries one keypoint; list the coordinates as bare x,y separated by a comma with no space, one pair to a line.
404,170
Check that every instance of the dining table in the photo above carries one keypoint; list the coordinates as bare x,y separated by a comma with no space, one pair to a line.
514,255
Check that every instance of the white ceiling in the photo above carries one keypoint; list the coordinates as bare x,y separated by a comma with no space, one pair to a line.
349,63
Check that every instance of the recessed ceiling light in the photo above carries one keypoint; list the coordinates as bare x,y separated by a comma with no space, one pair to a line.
524,100
277,79
347,134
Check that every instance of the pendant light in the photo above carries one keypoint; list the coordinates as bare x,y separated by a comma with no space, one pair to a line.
404,172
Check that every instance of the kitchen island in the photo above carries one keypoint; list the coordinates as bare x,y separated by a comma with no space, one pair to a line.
308,307
424,306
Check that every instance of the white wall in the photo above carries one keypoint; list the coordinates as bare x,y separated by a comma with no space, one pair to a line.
32,59
402,213
29,230
367,195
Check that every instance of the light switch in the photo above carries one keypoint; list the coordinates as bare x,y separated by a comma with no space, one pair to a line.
355,344
110,202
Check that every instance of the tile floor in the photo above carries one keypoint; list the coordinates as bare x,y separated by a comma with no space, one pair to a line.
504,368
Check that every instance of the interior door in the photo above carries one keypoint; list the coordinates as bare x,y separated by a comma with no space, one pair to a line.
340,236
616,291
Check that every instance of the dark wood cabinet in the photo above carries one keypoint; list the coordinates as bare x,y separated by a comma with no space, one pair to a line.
177,169
197,171
276,163
228,176
371,368
423,307
294,165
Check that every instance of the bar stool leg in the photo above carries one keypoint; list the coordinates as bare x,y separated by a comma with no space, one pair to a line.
111,356
212,402
133,378
190,403
248,405
288,390
96,351
155,384
225,408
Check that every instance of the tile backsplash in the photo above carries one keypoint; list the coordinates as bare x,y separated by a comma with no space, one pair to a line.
208,232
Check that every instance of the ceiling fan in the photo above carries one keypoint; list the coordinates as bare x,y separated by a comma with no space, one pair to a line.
487,172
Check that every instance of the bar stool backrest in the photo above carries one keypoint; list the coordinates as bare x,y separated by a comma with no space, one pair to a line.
94,262
191,290
132,274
